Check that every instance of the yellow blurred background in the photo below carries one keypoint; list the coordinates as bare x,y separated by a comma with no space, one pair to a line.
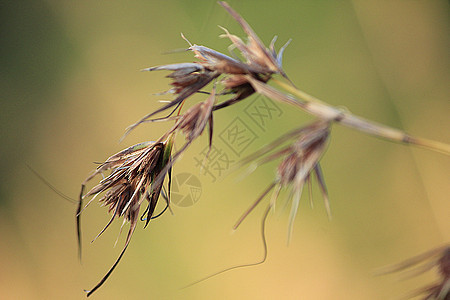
71,84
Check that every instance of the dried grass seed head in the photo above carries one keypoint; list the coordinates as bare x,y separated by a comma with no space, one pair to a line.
258,57
234,70
303,155
189,78
132,179
438,258
193,121
300,159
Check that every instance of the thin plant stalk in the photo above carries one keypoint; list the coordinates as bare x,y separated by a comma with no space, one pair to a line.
325,111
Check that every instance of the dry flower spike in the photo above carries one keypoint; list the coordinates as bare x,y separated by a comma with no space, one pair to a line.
131,181
300,160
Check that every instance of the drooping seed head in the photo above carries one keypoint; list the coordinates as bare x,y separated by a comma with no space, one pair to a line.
300,159
131,180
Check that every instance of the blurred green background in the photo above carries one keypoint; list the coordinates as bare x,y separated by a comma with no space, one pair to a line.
71,84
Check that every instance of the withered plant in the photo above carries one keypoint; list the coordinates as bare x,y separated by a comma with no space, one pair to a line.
137,173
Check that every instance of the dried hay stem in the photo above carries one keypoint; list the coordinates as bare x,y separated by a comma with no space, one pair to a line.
325,111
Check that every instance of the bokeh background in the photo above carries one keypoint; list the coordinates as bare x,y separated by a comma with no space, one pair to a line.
71,84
